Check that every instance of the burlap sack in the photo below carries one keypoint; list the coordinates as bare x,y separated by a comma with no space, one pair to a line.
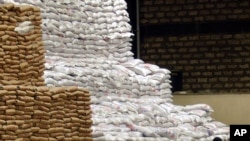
52,139
44,104
11,82
26,136
10,112
22,139
2,122
43,89
43,131
22,18
35,129
89,138
10,102
84,112
11,43
34,138
88,122
58,136
25,109
8,6
53,125
44,98
3,9
8,137
84,98
12,61
25,13
10,30
3,108
55,112
42,108
83,103
57,116
71,106
21,92
13,20
22,117
41,117
11,13
60,95
58,104
42,135
66,110
66,120
11,33
3,28
19,122
3,92
10,127
86,125
42,126
26,128
71,125
9,70
32,17
18,112
54,120
24,65
85,130
85,117
56,90
44,122
56,130
71,135
42,113
14,66
29,57
5,38
37,22
26,98
30,93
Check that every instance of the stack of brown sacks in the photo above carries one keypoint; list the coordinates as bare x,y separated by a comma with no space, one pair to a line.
21,48
29,111
44,113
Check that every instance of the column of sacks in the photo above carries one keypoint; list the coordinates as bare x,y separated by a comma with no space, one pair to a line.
30,111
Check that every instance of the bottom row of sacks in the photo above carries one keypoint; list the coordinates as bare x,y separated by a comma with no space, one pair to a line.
30,113
153,119
69,113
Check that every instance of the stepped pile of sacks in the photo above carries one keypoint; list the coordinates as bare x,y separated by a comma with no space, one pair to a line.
29,110
88,44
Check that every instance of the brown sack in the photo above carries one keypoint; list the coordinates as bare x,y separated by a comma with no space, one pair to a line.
25,8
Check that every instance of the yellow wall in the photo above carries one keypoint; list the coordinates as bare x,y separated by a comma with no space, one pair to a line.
228,108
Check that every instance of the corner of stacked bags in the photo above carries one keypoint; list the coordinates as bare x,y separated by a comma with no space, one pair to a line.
21,48
30,111
44,113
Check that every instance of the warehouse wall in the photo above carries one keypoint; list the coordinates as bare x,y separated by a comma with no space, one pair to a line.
208,41
165,11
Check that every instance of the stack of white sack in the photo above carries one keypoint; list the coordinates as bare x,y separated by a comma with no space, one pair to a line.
88,45
118,118
105,78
